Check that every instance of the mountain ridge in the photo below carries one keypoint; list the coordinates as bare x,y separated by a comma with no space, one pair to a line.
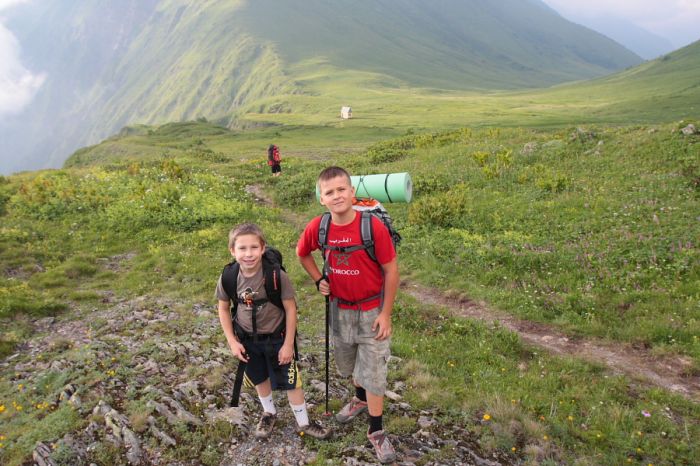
172,61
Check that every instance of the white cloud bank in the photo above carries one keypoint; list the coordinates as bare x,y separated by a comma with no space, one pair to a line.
676,20
17,84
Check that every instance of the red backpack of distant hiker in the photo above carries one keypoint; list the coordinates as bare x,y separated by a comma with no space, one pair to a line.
273,155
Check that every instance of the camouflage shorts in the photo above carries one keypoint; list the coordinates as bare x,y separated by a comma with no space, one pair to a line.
357,353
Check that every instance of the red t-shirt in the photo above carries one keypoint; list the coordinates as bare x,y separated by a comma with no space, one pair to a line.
353,276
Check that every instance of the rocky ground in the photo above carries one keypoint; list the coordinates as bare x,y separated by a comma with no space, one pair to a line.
157,374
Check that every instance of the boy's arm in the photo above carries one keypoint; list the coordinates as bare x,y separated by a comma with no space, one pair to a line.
382,324
237,348
286,353
311,268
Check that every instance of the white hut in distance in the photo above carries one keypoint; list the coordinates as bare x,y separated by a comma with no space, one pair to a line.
345,113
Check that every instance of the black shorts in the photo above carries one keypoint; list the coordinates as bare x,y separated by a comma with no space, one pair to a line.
276,168
263,364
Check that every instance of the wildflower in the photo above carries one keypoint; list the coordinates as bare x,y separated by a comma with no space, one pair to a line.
2,408
570,418
487,417
20,387
301,434
646,413
541,418
545,437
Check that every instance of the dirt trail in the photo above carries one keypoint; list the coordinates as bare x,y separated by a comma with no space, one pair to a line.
668,372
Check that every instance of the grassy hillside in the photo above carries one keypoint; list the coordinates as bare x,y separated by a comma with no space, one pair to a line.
159,61
452,44
590,230
666,89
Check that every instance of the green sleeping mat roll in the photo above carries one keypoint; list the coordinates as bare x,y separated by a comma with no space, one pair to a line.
387,187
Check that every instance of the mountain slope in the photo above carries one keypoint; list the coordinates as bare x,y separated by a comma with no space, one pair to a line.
667,88
642,42
155,61
453,44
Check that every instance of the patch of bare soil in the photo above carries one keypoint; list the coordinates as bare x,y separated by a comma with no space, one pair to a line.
669,372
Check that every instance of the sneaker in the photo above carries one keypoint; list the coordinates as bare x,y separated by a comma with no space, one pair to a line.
351,410
382,445
315,430
265,425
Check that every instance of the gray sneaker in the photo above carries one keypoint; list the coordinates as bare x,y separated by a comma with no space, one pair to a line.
382,445
351,410
265,425
315,430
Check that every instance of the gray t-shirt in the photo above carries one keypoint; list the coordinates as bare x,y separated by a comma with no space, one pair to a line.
268,317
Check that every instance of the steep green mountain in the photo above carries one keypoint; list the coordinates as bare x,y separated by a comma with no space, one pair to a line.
112,64
666,88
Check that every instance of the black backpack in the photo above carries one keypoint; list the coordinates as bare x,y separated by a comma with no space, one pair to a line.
272,265
368,208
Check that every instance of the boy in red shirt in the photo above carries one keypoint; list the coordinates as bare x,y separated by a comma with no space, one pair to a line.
362,295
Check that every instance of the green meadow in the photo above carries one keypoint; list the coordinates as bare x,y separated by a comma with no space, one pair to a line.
576,206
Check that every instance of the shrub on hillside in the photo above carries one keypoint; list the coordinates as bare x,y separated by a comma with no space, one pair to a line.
446,209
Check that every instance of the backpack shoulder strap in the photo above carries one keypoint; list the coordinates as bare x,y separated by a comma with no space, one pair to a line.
323,229
367,234
229,281
273,284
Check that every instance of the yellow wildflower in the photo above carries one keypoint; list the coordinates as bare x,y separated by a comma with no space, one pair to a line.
487,417
570,418
2,408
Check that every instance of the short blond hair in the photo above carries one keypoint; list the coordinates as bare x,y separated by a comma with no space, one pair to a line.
333,172
245,229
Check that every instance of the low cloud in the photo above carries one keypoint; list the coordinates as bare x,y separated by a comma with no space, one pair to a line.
18,85
676,20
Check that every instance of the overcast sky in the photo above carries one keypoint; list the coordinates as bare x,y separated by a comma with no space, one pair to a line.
675,20
17,84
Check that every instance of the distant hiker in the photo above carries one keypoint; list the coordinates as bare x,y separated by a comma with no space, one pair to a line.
262,334
274,160
362,291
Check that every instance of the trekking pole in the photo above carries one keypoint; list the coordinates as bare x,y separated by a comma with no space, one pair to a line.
328,313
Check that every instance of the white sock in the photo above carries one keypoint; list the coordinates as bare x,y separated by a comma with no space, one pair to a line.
300,413
268,404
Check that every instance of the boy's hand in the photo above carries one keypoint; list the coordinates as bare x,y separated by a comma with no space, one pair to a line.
382,325
285,354
324,287
238,350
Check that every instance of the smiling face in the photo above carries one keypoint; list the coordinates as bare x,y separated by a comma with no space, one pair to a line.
248,250
337,194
